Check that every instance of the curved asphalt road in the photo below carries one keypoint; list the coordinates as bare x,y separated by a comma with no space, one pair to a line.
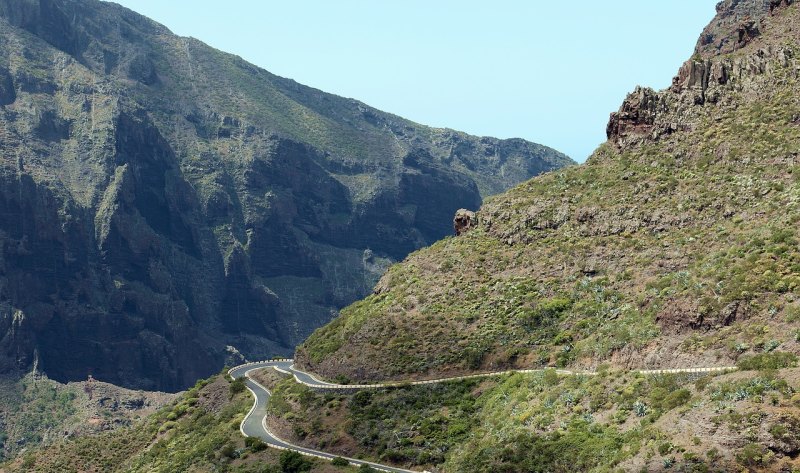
255,422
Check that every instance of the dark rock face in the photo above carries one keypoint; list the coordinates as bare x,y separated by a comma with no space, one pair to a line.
682,316
7,93
165,207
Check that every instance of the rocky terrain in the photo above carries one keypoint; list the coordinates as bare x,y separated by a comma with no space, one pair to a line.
166,208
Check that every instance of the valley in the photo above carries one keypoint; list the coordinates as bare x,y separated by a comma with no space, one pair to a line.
456,304
167,208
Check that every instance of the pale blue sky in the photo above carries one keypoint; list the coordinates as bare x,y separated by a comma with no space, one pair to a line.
546,71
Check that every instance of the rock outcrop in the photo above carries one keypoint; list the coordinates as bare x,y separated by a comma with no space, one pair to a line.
737,24
711,74
464,221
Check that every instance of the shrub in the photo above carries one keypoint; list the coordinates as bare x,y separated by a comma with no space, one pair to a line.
293,462
677,398
339,461
228,451
665,448
255,444
753,455
237,386
546,312
768,361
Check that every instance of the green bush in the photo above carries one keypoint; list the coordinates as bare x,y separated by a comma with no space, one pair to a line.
293,462
255,444
228,451
677,398
339,461
768,361
753,455
237,386
665,448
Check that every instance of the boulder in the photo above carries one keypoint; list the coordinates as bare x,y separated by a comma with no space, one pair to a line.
464,221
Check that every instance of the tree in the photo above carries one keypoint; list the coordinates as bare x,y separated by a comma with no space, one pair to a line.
237,386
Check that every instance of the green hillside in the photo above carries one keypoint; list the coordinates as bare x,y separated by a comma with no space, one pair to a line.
674,245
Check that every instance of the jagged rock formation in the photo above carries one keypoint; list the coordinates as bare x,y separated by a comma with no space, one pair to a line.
738,22
711,75
164,205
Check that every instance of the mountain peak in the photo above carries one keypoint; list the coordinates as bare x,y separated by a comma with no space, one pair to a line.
736,24
738,57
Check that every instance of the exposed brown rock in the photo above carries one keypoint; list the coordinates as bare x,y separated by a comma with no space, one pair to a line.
464,221
682,315
732,312
736,25
747,31
635,117
776,4
786,440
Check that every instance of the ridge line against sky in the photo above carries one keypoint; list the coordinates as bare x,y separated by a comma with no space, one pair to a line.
535,69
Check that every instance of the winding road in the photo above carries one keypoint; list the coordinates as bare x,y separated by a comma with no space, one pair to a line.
255,422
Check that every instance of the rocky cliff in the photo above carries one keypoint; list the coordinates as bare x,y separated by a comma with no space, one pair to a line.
166,207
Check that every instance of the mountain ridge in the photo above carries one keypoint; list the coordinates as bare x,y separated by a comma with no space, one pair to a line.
168,207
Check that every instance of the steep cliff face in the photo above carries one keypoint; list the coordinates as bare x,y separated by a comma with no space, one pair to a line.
166,207
675,245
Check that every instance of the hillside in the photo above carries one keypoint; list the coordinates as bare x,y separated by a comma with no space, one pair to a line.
35,410
166,207
542,422
675,245
197,432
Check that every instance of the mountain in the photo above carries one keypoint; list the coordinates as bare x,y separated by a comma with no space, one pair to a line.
166,207
674,246
676,237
